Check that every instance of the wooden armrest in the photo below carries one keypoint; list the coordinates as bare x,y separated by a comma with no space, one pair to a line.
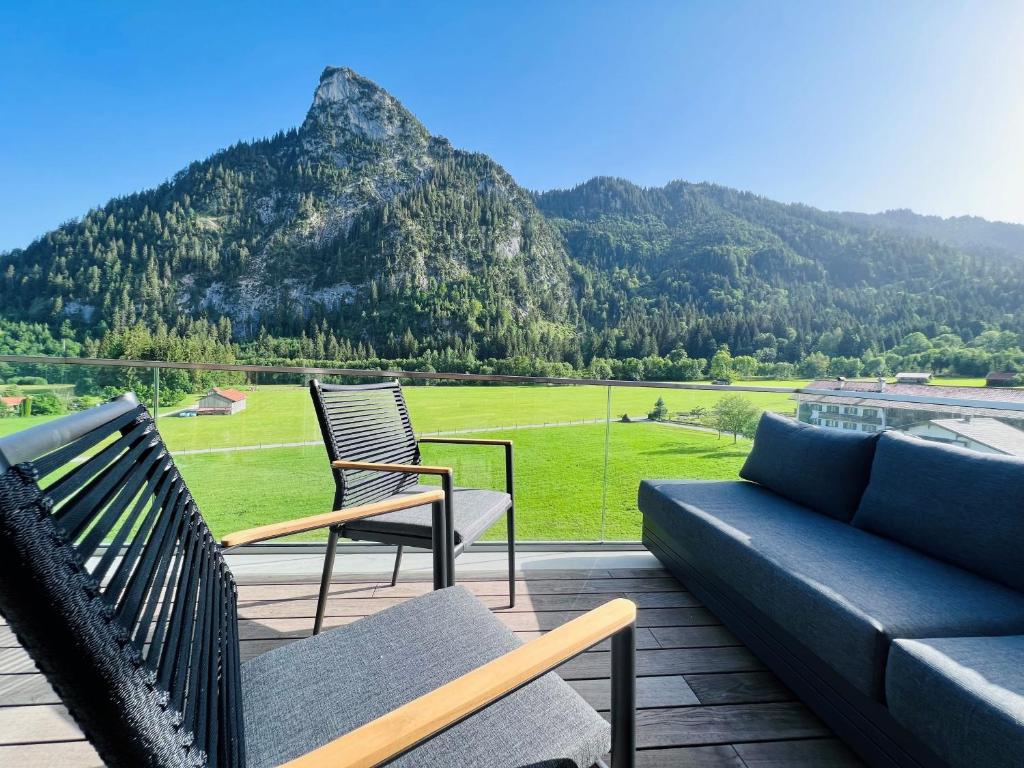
409,469
464,441
402,729
275,530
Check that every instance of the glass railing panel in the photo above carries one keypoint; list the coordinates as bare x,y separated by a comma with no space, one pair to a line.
558,433
36,393
254,457
668,433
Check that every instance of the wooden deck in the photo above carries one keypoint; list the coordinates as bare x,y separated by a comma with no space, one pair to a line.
704,700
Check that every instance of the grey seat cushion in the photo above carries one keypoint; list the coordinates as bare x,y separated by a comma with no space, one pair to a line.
301,696
792,458
476,510
962,506
844,592
963,696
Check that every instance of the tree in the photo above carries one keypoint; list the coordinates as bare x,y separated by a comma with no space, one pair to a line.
734,414
721,365
815,365
745,366
660,412
45,404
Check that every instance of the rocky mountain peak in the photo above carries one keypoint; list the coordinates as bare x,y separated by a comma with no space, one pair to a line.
347,101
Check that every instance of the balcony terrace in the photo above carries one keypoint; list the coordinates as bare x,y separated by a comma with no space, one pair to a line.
582,448
703,699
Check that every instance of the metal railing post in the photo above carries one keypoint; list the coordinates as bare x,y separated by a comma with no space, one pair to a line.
156,394
604,478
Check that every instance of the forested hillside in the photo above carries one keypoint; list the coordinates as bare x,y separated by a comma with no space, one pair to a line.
700,265
971,233
359,237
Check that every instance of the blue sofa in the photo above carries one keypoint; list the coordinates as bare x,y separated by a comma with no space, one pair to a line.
880,576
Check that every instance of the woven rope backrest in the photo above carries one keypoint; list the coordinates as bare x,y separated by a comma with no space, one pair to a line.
138,637
366,423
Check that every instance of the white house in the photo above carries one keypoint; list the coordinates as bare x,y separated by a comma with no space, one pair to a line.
913,378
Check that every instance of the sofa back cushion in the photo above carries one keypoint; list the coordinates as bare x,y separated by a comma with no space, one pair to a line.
954,504
823,469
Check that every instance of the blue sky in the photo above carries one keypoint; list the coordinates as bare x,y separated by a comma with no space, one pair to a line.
842,105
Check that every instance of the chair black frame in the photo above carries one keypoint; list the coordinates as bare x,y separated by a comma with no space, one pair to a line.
392,445
115,586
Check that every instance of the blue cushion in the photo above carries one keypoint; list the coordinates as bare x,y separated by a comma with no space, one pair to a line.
824,469
963,697
845,593
961,506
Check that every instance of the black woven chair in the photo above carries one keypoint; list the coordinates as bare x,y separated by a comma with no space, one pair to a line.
375,456
112,582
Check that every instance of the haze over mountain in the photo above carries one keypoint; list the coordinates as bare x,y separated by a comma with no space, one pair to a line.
972,233
362,228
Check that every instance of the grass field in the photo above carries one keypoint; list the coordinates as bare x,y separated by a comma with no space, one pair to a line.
281,414
560,470
559,477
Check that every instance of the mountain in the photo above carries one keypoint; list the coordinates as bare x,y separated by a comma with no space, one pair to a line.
359,221
359,235
700,264
970,233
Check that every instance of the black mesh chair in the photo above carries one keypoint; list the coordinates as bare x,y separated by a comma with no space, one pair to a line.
112,582
375,456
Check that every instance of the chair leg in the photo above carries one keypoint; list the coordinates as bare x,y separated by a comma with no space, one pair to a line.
325,580
510,517
398,564
624,698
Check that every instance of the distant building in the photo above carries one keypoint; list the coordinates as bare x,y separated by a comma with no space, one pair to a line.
913,378
11,404
1001,379
979,434
221,402
839,404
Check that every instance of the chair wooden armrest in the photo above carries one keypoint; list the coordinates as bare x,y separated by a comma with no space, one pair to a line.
302,524
464,441
408,469
402,729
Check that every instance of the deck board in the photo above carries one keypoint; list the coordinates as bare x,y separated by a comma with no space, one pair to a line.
704,701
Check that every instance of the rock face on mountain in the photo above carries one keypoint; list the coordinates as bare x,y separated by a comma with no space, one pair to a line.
361,225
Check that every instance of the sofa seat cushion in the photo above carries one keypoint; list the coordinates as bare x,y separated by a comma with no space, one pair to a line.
963,696
843,592
964,507
475,510
791,458
301,696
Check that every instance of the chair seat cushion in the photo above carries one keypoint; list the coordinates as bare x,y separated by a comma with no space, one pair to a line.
962,696
476,510
300,696
845,593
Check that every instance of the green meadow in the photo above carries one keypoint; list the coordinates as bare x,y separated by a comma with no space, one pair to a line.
282,414
560,453
271,466
560,475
